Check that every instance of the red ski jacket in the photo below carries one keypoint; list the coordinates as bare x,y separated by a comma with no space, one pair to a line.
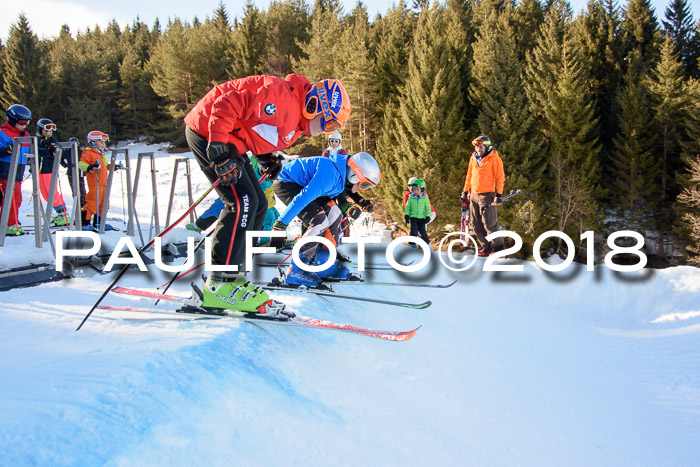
258,113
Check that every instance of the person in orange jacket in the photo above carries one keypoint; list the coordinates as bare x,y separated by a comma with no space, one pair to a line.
261,114
483,190
93,161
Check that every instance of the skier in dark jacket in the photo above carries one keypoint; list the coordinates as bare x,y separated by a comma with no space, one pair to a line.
48,145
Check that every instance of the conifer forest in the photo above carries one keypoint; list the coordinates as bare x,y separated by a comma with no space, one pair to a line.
596,115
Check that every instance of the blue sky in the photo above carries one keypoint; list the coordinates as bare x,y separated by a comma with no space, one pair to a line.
47,16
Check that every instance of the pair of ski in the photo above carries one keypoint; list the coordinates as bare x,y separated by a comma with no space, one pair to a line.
192,310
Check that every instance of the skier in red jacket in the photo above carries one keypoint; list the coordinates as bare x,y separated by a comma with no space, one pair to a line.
261,114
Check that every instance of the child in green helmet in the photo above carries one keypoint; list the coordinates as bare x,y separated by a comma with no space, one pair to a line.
417,210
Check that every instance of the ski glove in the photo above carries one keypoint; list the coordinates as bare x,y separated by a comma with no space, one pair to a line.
229,171
366,204
499,199
354,212
279,225
278,242
406,220
427,219
93,167
270,164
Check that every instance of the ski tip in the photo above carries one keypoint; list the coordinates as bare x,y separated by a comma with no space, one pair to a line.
422,306
393,336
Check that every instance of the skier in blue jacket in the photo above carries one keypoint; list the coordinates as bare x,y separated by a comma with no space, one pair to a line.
304,186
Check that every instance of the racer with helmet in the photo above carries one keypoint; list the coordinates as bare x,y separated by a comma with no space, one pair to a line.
48,145
18,117
95,165
261,114
307,187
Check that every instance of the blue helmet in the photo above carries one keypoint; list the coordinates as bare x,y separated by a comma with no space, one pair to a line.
17,112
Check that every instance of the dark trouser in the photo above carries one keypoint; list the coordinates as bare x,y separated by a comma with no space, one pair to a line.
245,206
418,229
484,220
321,216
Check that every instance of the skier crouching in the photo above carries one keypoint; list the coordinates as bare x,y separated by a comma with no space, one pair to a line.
305,186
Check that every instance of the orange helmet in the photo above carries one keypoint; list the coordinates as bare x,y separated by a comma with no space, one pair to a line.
97,136
328,97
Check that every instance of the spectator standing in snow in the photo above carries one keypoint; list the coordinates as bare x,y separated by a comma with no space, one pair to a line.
417,210
483,190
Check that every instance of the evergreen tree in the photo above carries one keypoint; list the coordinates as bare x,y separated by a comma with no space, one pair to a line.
504,115
25,77
635,167
394,37
427,139
139,105
460,35
544,64
288,26
185,64
670,106
321,51
556,84
250,44
599,46
640,30
689,199
354,62
679,26
574,150
527,19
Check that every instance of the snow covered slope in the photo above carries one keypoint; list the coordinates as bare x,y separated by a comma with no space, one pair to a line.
530,371
572,368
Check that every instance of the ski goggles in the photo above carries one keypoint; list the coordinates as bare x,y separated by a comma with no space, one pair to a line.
97,136
364,182
331,141
329,124
50,127
22,122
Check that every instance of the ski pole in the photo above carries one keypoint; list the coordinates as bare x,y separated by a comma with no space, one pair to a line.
151,242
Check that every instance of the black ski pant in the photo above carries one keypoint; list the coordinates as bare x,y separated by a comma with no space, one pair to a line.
245,206
418,229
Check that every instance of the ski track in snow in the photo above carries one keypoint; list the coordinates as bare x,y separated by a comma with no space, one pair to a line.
531,368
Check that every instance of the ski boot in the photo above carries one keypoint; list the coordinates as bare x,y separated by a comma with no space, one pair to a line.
14,230
96,224
295,276
241,295
335,272
59,220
